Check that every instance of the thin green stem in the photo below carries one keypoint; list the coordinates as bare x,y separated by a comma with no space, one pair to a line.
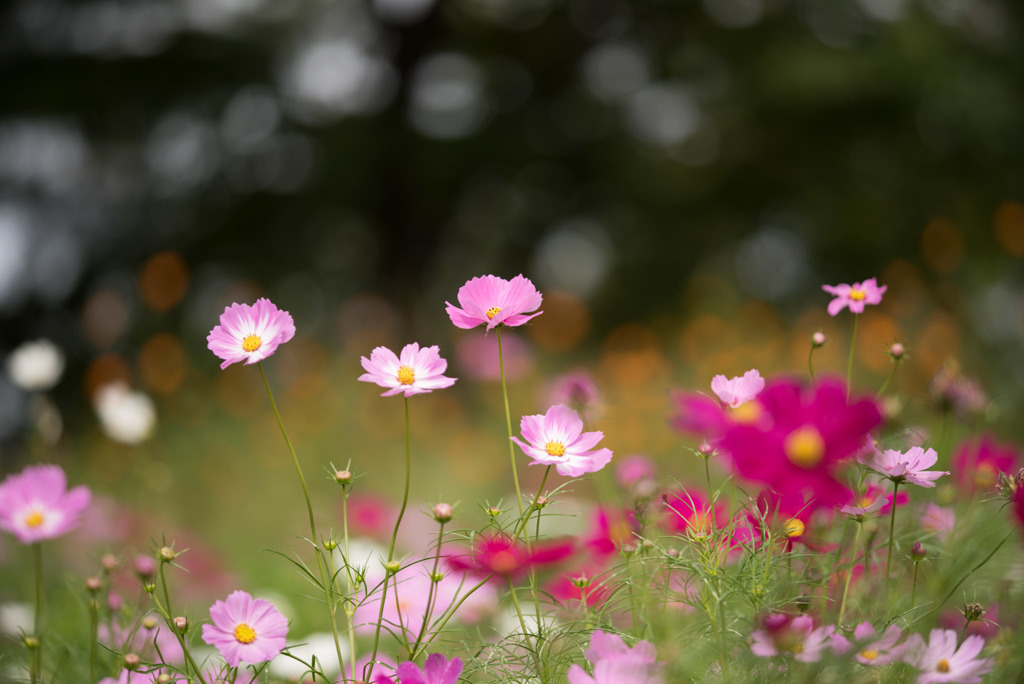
36,656
447,615
849,361
711,496
320,563
526,519
810,362
970,572
849,574
892,374
508,423
888,562
165,611
394,536
94,626
913,588
432,593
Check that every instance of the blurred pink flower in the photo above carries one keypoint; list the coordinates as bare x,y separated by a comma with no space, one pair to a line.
782,634
940,660
493,301
416,371
609,530
875,650
497,554
250,333
437,670
557,438
35,504
579,391
689,511
633,469
910,467
939,520
478,356
854,296
977,464
616,663
246,630
1018,503
805,435
736,391
874,500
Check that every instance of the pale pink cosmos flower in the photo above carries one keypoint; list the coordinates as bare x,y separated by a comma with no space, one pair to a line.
616,663
437,670
786,635
940,661
415,371
875,650
250,333
35,504
737,391
493,301
911,467
557,438
939,520
246,630
854,296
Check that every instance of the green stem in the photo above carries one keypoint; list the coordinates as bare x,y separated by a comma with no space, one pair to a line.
526,518
892,374
394,536
320,563
810,362
849,361
970,572
94,625
165,612
447,615
36,656
888,562
432,594
913,588
849,574
711,497
508,423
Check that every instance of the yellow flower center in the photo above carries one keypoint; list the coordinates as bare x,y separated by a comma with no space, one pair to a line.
745,413
865,501
699,522
406,375
869,655
504,562
985,476
857,295
244,634
943,666
34,519
555,449
251,343
492,312
794,527
804,447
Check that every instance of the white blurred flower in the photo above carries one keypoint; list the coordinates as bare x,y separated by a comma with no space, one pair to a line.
36,366
318,644
125,416
16,618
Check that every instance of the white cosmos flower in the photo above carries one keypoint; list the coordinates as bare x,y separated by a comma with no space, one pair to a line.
36,366
125,416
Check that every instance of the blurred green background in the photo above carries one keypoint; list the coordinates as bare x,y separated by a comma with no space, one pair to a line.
677,177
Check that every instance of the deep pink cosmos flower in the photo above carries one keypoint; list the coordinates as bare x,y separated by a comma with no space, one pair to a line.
416,371
36,505
801,438
878,650
689,512
736,391
977,464
497,554
609,530
437,670
1018,503
782,634
246,630
616,663
910,467
250,333
494,301
557,438
940,661
854,296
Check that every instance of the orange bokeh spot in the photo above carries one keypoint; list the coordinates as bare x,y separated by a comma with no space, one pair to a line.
564,323
942,245
1008,227
163,281
162,363
105,369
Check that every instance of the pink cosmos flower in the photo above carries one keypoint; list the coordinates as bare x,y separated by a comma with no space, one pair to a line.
497,554
35,504
245,629
437,670
250,333
939,520
737,391
634,469
616,663
787,635
802,438
477,356
494,301
854,296
689,512
557,438
416,371
873,500
977,464
911,467
609,530
577,390
875,650
940,661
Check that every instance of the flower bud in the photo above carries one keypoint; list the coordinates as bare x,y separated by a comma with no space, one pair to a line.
145,566
494,511
181,624
392,567
149,622
93,584
330,544
541,502
581,582
343,477
109,562
132,661
896,351
164,678
705,449
442,512
149,587
167,554
973,611
114,601
818,339
436,577
918,552
31,643
672,553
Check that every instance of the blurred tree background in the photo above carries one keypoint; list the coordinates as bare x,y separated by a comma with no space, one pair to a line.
679,177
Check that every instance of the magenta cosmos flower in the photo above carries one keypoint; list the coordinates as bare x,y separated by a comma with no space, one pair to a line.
250,333
978,463
854,296
910,467
35,504
801,438
557,439
616,663
245,630
782,634
437,670
416,371
940,661
494,301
